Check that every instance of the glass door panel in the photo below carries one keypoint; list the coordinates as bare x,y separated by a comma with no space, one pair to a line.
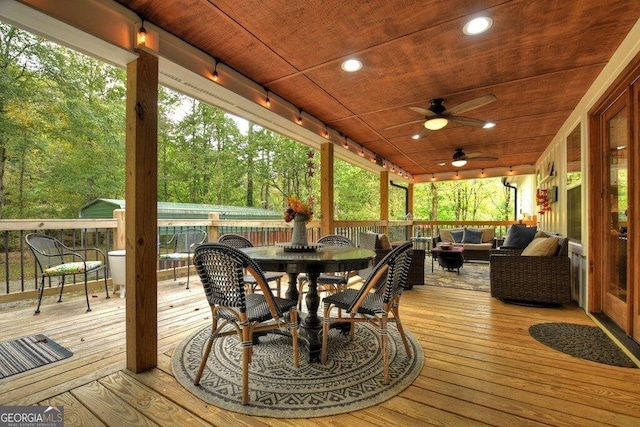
615,280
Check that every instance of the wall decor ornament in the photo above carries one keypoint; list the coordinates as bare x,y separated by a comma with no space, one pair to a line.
542,200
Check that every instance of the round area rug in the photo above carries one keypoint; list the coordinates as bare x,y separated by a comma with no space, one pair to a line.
583,341
350,380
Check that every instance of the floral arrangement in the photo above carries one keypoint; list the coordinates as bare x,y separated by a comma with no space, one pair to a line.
296,206
542,199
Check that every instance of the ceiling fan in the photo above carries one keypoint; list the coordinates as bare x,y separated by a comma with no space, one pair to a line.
438,116
460,158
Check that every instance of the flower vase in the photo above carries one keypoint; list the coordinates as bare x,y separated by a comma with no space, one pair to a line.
299,235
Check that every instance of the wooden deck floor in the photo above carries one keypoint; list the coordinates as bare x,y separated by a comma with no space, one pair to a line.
481,368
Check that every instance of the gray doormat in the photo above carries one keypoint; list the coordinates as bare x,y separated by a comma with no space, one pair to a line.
583,341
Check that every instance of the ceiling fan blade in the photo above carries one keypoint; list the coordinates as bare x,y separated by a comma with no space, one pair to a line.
485,159
470,105
424,132
423,111
403,124
473,155
466,121
478,156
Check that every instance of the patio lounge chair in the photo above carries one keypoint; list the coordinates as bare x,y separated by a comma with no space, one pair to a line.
54,259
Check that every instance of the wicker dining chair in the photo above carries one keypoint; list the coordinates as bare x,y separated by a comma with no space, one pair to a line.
182,245
55,259
237,241
378,297
327,282
221,269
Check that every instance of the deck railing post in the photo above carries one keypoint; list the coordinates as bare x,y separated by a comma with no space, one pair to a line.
120,237
213,232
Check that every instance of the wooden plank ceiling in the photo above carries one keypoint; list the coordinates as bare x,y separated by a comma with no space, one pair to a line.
538,59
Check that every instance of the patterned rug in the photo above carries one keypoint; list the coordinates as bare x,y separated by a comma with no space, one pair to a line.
473,276
350,380
583,341
27,353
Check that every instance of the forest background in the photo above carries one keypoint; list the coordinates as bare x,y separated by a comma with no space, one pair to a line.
62,145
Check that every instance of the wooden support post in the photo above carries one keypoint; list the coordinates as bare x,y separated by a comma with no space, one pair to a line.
142,212
384,199
326,188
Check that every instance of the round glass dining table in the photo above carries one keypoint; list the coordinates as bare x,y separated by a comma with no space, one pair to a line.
312,263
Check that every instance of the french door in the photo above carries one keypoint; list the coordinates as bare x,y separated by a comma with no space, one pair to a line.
614,203
615,287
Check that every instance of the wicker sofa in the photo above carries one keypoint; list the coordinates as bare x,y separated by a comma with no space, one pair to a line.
479,251
379,243
532,279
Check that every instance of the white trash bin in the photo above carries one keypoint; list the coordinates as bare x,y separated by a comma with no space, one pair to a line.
118,267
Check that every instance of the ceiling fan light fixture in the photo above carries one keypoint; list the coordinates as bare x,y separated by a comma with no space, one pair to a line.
351,65
458,163
489,125
436,123
477,26
416,136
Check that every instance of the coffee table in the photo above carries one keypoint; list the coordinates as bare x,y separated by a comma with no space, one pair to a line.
451,259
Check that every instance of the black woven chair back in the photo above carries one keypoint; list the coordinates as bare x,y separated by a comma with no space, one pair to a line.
46,249
184,241
221,270
391,283
235,240
335,240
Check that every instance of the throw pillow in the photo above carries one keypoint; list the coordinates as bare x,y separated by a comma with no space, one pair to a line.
542,246
471,236
445,236
383,241
520,236
457,236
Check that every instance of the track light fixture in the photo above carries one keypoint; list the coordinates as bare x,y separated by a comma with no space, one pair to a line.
267,101
433,177
299,118
482,173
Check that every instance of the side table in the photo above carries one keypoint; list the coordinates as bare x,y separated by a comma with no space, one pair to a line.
450,259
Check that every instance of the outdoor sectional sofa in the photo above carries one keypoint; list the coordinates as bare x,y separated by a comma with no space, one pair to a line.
539,273
477,242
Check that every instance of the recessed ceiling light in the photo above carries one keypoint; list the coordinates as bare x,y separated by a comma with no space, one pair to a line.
441,164
416,136
477,26
489,125
351,65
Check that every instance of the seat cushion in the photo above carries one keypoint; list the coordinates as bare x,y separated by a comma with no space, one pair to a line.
72,268
176,256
